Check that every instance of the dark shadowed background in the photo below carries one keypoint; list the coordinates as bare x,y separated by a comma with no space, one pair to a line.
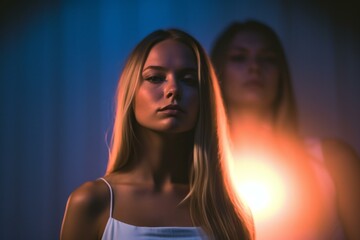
60,62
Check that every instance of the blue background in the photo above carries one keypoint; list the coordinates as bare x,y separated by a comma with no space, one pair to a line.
59,66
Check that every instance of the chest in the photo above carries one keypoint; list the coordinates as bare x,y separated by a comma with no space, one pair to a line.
141,207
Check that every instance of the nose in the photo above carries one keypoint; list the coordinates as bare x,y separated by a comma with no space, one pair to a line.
173,88
254,64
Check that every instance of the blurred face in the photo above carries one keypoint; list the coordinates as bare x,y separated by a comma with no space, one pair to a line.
167,99
251,74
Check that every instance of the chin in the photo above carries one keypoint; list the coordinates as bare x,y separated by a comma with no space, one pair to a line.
253,99
175,125
175,130
250,102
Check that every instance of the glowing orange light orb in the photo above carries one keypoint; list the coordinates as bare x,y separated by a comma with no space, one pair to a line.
260,185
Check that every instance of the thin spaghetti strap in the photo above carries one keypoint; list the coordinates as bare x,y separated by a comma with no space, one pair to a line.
111,196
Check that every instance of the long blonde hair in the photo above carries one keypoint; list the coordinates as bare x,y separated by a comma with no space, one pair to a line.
213,205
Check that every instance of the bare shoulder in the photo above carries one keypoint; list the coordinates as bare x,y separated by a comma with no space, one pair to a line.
90,196
344,166
340,154
342,161
85,215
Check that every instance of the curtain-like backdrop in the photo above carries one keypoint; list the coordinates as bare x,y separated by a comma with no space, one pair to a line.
60,62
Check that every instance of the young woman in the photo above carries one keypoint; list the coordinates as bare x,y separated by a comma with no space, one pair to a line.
166,175
296,188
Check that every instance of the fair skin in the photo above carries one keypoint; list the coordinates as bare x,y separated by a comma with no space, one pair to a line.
167,100
149,191
250,85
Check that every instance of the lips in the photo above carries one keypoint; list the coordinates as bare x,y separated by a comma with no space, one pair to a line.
254,84
171,108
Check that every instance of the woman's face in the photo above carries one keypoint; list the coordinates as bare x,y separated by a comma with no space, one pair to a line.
167,99
251,72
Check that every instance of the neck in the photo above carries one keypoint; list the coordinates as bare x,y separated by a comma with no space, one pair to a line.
256,127
250,121
251,128
163,158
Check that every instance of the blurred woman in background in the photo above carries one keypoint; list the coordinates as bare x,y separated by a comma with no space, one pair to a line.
295,187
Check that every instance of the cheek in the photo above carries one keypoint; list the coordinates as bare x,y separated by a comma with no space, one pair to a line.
272,76
193,100
233,78
272,89
146,102
140,101
195,106
231,83
191,103
233,74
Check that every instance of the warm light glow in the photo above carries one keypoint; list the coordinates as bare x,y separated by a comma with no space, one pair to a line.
260,185
281,192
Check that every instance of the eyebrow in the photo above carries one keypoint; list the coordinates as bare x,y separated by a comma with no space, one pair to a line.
154,68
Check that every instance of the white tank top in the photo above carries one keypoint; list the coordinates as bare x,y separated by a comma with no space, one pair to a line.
116,229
